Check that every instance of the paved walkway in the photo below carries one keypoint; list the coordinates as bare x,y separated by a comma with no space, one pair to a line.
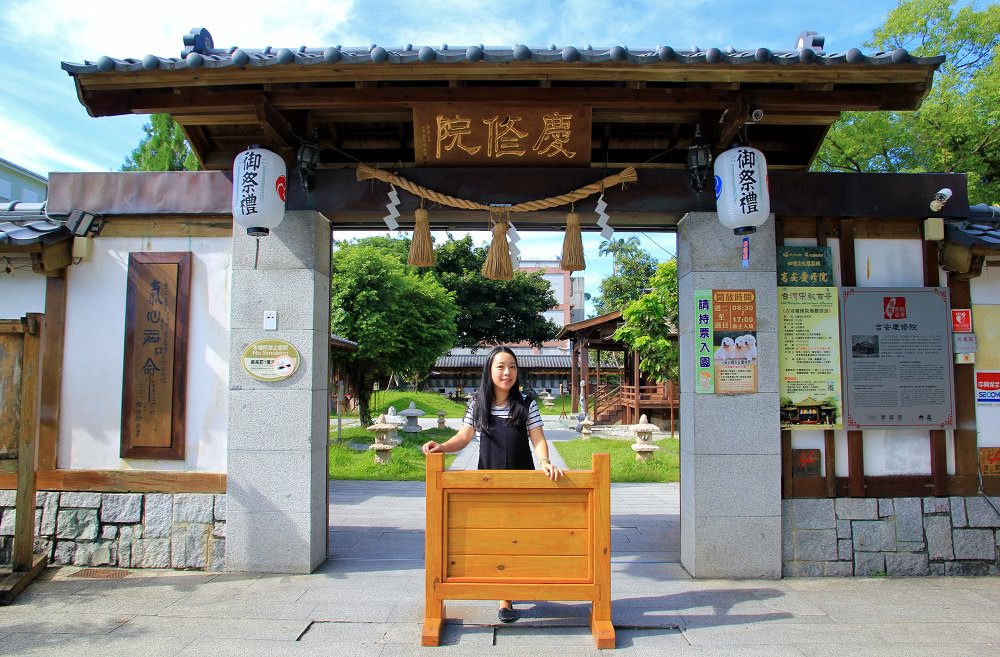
367,600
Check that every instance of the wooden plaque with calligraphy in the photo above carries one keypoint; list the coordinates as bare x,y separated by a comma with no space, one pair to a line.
501,135
806,463
154,394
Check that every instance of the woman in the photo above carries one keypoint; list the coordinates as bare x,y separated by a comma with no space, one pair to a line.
508,426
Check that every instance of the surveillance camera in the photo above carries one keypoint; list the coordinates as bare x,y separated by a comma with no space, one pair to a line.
756,115
940,198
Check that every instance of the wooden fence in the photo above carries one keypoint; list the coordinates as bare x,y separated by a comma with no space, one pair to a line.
516,535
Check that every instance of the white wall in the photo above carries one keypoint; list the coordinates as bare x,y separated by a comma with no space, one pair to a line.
21,292
558,287
90,419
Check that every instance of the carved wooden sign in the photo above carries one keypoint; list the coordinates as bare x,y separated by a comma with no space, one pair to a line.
501,135
154,382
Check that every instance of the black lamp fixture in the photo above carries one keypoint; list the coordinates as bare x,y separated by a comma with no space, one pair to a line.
84,224
699,159
308,158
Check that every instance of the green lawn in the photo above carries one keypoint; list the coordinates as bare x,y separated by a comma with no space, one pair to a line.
429,402
407,463
663,467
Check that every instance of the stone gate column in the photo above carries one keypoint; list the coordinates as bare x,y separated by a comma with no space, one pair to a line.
730,444
277,444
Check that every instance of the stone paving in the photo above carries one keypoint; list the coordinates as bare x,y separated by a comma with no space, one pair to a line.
367,599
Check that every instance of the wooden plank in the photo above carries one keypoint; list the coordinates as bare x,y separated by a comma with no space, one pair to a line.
125,481
53,343
24,519
541,515
932,276
558,496
966,431
514,479
14,583
830,456
516,591
434,612
169,226
537,569
939,462
600,615
8,465
848,271
11,345
856,463
569,542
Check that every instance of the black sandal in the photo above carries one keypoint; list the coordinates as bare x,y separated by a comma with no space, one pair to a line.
506,614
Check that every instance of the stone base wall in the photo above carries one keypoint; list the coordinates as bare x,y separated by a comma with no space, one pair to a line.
898,536
127,530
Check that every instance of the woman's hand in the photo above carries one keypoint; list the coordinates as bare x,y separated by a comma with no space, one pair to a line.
431,447
551,471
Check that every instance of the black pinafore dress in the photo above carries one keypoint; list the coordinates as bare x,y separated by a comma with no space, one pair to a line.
504,447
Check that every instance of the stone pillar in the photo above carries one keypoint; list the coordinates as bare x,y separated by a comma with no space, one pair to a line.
277,443
730,444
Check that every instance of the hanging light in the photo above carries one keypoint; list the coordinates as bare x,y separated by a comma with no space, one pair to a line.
308,159
741,195
258,190
699,159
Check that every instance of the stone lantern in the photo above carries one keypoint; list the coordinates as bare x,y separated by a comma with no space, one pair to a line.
411,414
441,424
643,447
548,400
585,427
383,442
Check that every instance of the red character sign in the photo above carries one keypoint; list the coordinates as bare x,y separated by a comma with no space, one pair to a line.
894,307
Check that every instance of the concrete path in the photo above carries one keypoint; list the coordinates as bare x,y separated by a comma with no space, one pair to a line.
367,600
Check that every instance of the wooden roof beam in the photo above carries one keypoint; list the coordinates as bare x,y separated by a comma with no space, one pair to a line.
735,117
276,127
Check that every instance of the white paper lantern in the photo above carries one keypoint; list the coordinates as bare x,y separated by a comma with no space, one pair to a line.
258,190
741,195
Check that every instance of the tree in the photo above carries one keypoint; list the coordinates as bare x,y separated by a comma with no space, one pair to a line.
628,282
955,128
401,319
493,312
164,148
613,246
651,324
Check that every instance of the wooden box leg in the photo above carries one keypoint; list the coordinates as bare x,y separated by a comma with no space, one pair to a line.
600,626
434,615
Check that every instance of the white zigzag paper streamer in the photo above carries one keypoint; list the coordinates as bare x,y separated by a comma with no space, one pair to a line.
602,218
513,238
391,206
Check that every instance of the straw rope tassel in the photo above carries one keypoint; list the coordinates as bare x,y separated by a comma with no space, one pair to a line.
572,253
498,265
421,247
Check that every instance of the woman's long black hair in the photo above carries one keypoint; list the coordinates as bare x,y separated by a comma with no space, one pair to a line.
482,403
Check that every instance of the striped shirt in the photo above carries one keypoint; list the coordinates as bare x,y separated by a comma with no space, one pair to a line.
534,417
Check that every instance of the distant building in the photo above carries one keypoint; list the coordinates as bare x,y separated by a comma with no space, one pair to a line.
548,366
19,184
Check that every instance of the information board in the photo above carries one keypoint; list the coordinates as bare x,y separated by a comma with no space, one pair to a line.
898,360
809,358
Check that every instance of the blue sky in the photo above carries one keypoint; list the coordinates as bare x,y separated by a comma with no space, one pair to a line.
44,128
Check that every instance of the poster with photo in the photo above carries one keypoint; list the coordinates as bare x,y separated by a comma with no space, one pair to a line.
809,358
726,341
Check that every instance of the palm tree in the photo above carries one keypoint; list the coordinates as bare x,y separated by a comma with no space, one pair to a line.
614,247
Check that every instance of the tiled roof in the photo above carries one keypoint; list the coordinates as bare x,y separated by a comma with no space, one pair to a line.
982,229
527,362
25,224
201,53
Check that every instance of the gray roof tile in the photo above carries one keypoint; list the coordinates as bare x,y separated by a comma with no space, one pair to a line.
477,361
25,224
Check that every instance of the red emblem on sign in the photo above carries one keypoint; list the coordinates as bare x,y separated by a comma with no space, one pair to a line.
961,320
279,186
894,307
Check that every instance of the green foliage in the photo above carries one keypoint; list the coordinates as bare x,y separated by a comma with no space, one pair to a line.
164,148
493,312
650,322
664,466
632,271
402,320
955,129
407,462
